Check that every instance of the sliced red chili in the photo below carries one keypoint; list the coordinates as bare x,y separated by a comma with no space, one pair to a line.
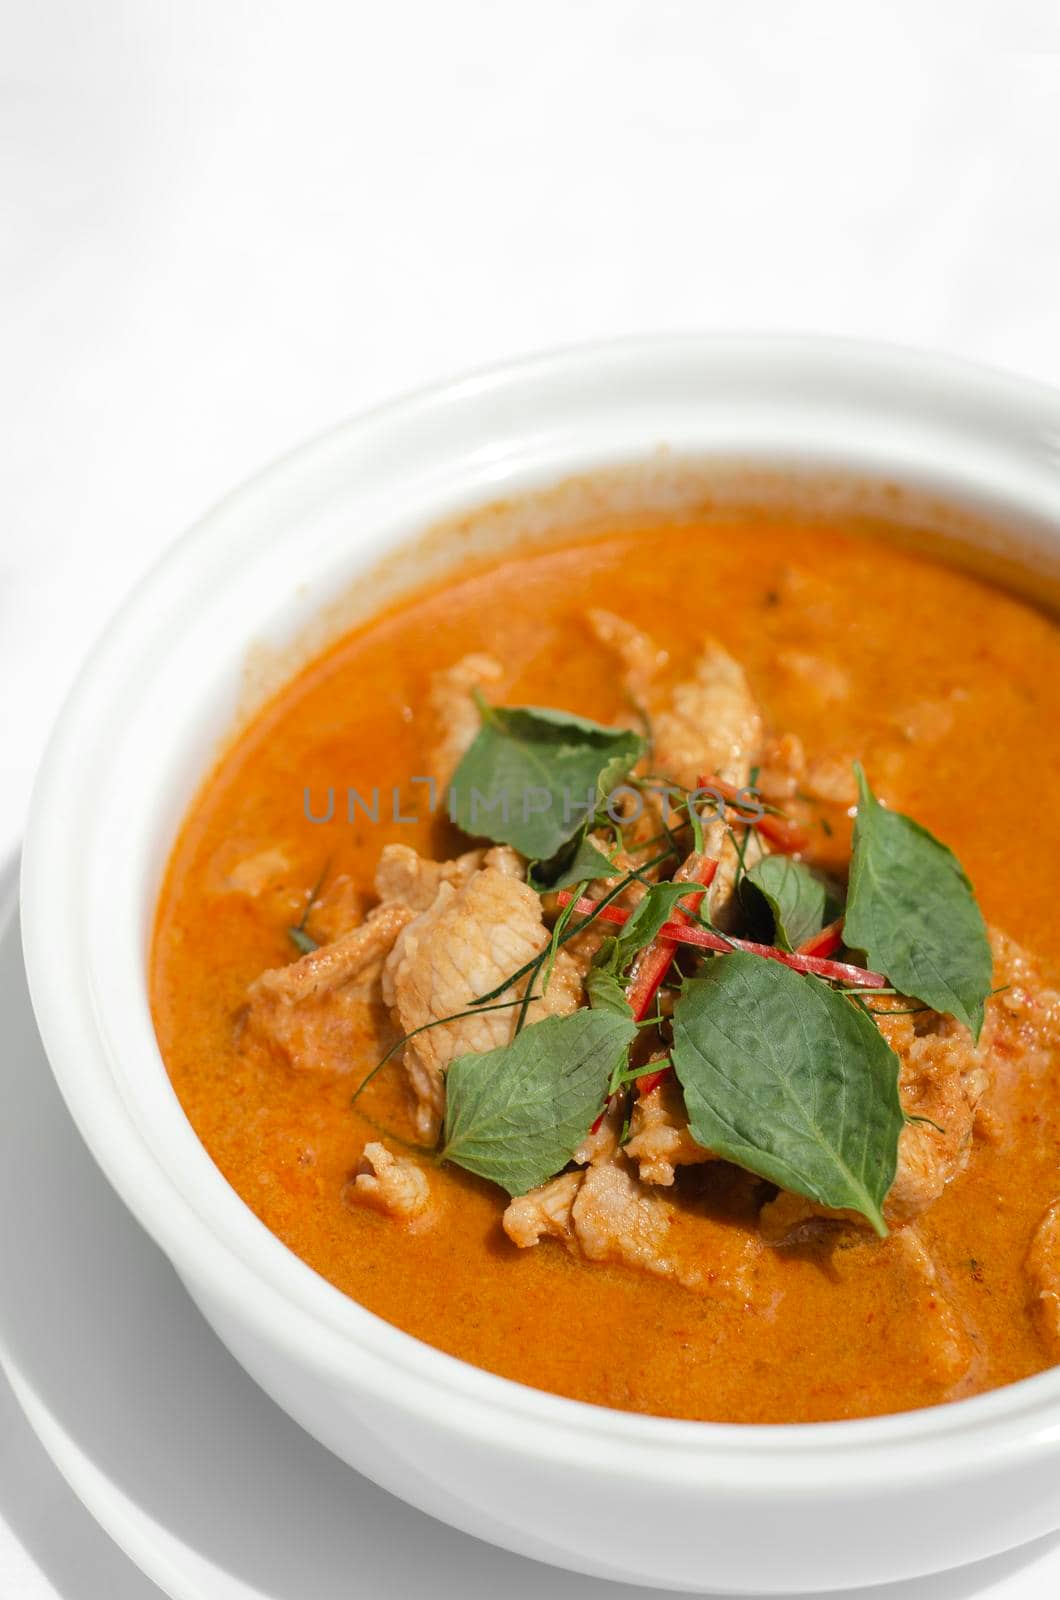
823,943
707,939
652,1080
656,959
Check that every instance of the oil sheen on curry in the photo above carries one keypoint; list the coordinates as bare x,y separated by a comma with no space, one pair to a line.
688,1044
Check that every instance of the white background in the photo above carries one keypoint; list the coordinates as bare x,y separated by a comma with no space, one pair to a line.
225,225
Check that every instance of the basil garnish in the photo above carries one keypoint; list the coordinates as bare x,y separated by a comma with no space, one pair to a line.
781,1074
797,897
605,991
605,985
533,777
516,1115
912,911
586,864
790,1080
646,918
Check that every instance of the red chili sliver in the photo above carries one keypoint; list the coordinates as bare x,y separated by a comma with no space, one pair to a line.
784,835
652,1080
656,959
706,939
823,943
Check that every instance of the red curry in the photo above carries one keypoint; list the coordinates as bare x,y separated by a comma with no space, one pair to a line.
726,1298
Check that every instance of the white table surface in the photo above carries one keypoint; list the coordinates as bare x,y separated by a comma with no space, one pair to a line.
226,225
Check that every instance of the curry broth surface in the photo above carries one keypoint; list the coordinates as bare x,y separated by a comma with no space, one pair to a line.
955,709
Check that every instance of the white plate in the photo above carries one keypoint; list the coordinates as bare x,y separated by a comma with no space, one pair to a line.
204,1483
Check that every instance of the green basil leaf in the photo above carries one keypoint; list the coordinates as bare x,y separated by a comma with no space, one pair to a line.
586,864
912,912
645,920
516,1115
532,777
797,897
606,981
791,1080
607,992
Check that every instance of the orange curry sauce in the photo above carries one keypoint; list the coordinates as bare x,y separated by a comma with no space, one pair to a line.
948,690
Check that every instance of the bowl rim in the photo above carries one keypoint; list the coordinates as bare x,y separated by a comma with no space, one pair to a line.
267,1288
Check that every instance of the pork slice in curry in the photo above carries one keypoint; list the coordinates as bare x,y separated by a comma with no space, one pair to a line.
659,1051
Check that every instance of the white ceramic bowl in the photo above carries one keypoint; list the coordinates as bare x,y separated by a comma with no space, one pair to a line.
693,1506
